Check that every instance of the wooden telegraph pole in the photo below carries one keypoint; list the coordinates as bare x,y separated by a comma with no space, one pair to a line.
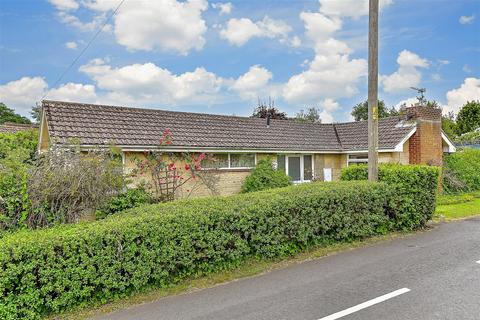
373,91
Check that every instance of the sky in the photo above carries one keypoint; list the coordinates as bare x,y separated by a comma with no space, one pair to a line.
222,57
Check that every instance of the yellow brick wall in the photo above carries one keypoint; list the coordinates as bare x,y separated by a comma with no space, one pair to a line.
228,182
334,161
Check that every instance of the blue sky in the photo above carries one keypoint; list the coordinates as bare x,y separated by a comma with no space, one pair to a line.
220,57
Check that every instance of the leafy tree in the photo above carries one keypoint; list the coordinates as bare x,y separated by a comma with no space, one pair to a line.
312,115
449,125
35,113
265,109
8,115
360,111
468,118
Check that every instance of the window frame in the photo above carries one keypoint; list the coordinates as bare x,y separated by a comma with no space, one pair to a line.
229,167
302,166
357,161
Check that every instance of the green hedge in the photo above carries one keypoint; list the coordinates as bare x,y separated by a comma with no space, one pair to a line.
462,171
412,203
265,177
50,270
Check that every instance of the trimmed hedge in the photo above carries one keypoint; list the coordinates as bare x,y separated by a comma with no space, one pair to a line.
412,203
54,269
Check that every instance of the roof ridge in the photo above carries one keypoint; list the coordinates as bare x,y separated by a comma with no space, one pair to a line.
172,111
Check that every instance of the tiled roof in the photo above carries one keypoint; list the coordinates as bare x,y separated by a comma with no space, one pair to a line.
10,127
123,126
391,131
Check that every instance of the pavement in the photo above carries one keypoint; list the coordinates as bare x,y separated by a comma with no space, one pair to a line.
429,275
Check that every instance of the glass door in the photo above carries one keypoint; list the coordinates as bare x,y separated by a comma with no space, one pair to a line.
294,169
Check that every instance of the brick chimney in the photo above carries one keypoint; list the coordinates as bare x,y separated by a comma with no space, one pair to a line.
425,146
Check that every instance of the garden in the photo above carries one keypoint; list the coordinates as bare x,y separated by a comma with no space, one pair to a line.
73,234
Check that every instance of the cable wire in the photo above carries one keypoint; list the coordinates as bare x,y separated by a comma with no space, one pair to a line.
86,47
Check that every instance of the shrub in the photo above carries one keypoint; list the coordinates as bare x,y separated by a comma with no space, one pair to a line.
462,171
413,202
66,185
53,269
128,199
17,152
264,177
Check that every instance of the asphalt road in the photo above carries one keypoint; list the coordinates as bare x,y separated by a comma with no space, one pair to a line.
437,270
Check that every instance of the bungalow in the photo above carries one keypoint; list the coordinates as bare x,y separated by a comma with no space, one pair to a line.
306,151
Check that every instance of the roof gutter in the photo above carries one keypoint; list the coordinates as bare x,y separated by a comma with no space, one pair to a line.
126,148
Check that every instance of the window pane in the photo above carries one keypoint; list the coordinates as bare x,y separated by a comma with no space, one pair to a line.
219,160
243,160
281,162
358,156
294,168
307,168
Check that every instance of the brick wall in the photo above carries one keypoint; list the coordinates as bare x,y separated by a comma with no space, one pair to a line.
425,146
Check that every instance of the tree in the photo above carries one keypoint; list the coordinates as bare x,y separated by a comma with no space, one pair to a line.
468,118
265,109
36,113
360,111
8,115
449,126
312,115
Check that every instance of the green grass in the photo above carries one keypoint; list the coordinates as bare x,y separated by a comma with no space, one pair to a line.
452,207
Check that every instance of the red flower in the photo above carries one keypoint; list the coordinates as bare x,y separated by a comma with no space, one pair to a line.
187,167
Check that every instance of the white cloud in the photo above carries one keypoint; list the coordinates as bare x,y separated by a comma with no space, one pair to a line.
73,92
318,26
224,8
65,5
147,83
468,91
348,8
331,74
407,102
240,31
407,74
73,21
255,83
466,19
328,105
23,93
71,45
166,25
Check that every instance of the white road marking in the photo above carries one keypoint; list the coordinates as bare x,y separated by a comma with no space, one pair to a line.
478,261
366,304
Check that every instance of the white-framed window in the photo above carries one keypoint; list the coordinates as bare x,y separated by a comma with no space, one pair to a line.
231,161
298,166
360,158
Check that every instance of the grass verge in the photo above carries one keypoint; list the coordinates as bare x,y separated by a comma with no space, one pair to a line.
252,267
452,207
